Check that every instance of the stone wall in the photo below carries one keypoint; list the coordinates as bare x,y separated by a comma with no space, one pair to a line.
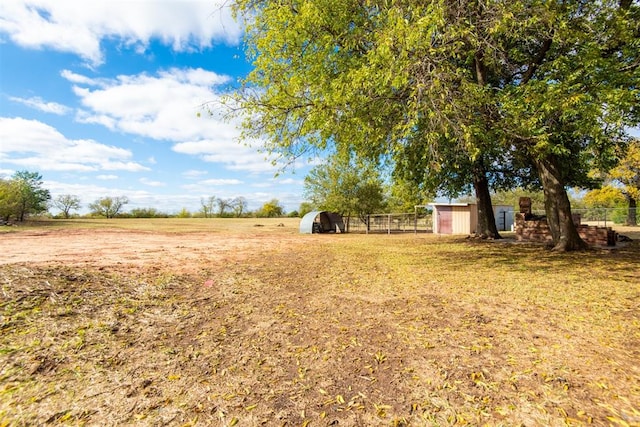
597,236
537,230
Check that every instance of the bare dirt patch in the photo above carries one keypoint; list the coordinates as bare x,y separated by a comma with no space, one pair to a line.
177,252
113,327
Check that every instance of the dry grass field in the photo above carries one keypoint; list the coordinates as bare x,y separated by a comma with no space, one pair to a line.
248,323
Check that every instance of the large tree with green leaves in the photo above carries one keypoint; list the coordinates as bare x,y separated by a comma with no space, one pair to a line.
23,194
8,199
569,104
352,74
404,195
453,86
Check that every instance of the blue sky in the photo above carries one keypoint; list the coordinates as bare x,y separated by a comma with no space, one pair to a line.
102,98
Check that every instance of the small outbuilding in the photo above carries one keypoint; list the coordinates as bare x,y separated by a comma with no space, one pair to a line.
321,222
505,217
462,218
454,218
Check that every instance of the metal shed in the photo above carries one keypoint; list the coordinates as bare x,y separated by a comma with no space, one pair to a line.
462,218
454,218
321,222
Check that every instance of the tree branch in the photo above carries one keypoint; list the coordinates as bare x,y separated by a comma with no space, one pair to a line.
481,71
625,4
537,61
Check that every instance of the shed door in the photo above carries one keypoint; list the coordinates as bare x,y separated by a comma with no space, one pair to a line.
501,219
445,219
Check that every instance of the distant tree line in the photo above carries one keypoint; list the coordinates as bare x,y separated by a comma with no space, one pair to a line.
23,195
352,189
108,207
223,208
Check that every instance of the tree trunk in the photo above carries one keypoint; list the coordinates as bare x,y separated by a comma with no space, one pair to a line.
22,211
632,212
486,219
557,207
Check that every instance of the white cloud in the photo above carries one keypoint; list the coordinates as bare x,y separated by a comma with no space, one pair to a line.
163,107
193,174
235,156
277,182
6,173
107,177
206,186
79,26
79,78
39,104
288,181
150,183
33,144
262,184
221,182
169,106
106,121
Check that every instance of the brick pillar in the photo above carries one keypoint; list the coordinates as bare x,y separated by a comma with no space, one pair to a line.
525,205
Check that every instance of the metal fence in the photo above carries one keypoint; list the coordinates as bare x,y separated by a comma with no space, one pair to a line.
602,217
423,222
391,223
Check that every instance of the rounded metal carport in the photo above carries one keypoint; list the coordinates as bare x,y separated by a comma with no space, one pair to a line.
321,222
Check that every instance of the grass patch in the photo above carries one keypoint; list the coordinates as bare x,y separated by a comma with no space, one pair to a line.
329,330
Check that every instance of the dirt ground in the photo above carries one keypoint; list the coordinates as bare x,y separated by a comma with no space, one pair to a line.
175,252
269,327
